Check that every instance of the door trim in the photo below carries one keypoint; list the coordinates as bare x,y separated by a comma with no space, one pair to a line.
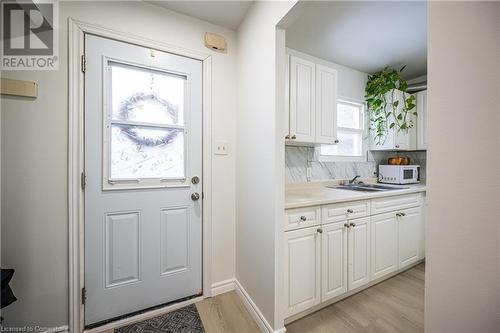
76,219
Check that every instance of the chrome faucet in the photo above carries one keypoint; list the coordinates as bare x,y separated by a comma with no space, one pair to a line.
354,179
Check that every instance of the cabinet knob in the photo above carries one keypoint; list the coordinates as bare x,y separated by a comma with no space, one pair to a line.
397,146
346,225
400,214
294,137
287,137
319,230
350,211
336,141
352,224
303,218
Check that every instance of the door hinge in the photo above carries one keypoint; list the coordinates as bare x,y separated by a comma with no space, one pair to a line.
83,180
84,63
84,295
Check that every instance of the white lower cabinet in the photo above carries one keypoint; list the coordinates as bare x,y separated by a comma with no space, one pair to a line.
359,252
409,226
302,269
333,260
384,244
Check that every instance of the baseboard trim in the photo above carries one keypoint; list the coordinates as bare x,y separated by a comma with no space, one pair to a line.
254,311
222,287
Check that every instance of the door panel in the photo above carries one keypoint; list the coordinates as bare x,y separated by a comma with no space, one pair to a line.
334,260
384,244
175,251
409,228
359,253
302,99
143,143
326,105
122,248
302,270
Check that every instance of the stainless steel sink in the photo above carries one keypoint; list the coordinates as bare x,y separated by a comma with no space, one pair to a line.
368,187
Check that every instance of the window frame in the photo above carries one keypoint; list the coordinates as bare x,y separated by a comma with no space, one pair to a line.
109,183
364,144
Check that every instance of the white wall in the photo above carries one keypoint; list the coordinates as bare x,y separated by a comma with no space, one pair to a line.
463,217
260,157
351,82
34,160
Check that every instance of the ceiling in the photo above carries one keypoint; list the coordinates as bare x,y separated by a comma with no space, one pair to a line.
228,14
366,36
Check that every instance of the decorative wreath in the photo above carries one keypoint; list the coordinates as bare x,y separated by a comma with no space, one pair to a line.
137,135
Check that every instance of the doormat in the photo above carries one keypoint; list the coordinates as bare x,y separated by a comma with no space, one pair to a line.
185,320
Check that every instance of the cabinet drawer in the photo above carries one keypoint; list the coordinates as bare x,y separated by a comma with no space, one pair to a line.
389,204
345,210
302,217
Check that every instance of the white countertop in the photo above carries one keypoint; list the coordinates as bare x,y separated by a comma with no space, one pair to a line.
316,193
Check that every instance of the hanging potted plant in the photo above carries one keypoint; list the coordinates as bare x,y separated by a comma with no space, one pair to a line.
389,105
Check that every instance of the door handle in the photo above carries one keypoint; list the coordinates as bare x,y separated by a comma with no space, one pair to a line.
195,196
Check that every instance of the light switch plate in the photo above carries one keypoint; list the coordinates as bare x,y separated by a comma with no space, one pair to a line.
220,148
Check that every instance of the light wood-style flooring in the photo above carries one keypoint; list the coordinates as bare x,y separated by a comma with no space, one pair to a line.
395,305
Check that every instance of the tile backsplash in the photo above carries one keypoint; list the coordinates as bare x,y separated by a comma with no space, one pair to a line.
298,158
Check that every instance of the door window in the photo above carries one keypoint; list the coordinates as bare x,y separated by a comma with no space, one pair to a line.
145,134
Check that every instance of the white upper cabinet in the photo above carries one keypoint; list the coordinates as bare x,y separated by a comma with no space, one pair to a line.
422,120
312,102
397,140
302,100
326,105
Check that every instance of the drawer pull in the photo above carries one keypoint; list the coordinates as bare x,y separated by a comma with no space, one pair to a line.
303,218
353,224
400,214
349,211
319,230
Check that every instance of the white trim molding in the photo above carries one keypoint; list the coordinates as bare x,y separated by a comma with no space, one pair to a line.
254,311
76,38
222,287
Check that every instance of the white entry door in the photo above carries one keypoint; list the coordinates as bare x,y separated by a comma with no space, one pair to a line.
143,167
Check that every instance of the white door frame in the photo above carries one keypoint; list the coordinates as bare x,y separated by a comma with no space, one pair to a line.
76,36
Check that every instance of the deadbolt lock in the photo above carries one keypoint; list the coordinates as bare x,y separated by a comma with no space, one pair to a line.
195,180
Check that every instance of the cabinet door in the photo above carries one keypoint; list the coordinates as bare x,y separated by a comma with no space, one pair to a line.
326,105
397,140
359,253
333,260
302,100
422,119
384,244
287,98
405,140
302,269
409,229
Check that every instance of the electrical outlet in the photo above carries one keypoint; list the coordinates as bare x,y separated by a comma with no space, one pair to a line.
220,148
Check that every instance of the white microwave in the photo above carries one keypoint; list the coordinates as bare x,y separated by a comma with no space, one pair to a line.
398,174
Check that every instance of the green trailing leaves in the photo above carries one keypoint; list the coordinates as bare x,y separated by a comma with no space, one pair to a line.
388,103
